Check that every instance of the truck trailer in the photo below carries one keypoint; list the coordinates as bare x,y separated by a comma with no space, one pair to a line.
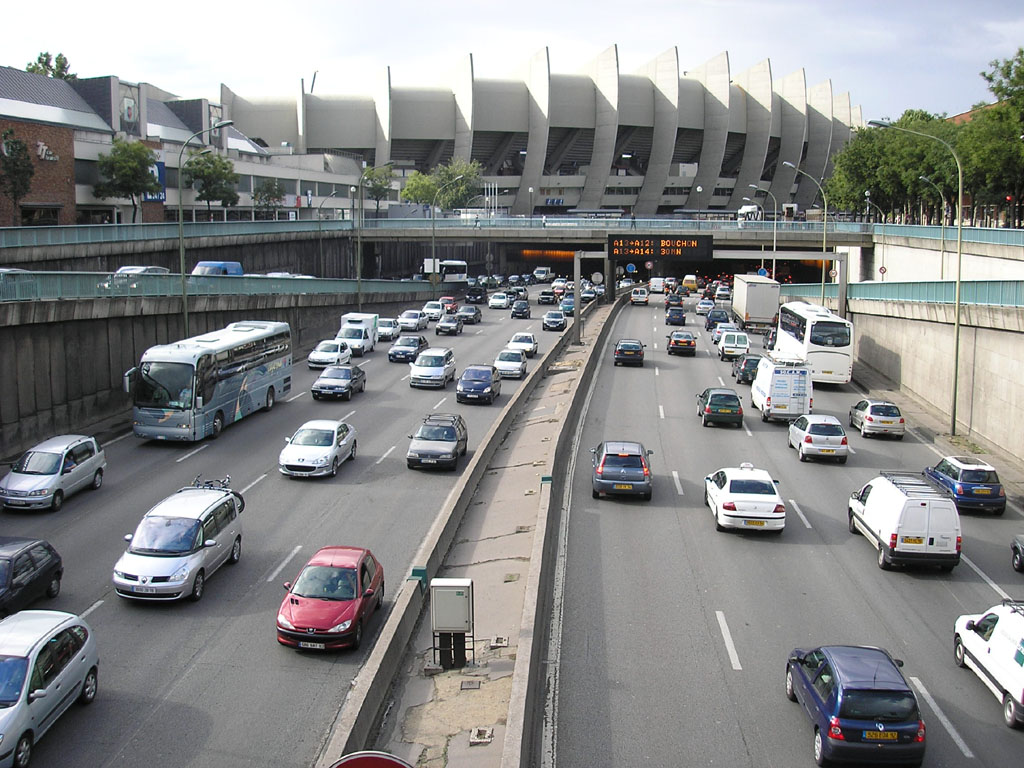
755,303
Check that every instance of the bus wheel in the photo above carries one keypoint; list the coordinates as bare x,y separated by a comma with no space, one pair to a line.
270,398
218,425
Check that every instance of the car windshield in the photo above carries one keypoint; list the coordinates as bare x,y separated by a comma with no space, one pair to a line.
350,333
432,305
432,432
386,323
164,385
325,582
833,430
430,361
407,341
521,305
884,706
629,345
979,476
554,315
476,374
885,411
208,270
759,487
510,357
682,336
5,568
624,461
522,338
829,334
336,373
411,314
327,346
168,536
12,678
315,437
725,401
750,363
38,463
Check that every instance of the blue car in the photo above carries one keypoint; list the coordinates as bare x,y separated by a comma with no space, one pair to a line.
478,384
861,707
973,484
568,305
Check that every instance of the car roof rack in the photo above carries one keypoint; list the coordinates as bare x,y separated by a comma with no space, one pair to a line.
915,484
1017,606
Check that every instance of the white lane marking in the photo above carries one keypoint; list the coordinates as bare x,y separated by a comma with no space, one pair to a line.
708,351
678,482
118,439
386,454
346,416
654,329
479,332
796,508
656,371
655,345
295,397
747,430
250,485
192,453
405,377
984,577
94,606
722,383
733,656
942,718
440,402
850,449
277,571
661,412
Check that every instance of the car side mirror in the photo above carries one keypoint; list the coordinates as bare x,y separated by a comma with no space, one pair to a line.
796,659
287,440
369,592
969,625
39,693
287,585
899,662
199,401
855,495
650,452
410,437
210,543
707,478
127,537
66,470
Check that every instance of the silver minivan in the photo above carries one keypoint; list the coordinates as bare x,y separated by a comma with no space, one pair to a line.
53,470
181,542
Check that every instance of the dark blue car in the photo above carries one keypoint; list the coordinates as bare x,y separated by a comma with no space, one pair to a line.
973,484
479,384
861,707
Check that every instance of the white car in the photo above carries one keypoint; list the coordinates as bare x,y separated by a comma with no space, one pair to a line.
499,301
317,448
524,341
329,352
704,306
433,367
716,333
744,497
388,329
433,310
820,437
511,363
53,470
412,320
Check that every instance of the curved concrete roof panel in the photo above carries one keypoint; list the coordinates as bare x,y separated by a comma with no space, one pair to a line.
501,105
573,100
636,100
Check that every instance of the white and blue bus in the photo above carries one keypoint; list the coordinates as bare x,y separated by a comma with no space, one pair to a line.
193,388
814,335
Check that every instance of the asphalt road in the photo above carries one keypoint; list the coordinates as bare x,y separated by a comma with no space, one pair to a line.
670,639
206,684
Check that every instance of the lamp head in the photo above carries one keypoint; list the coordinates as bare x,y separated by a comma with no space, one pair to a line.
925,178
879,124
754,186
788,164
700,188
748,199
223,124
867,193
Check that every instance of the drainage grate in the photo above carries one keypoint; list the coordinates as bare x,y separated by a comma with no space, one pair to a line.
470,685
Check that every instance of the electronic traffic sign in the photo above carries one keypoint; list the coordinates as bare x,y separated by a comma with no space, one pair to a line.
667,248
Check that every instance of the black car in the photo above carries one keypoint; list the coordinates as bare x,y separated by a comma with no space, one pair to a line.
675,316
479,383
744,368
470,315
476,295
554,321
450,325
340,381
715,316
29,569
521,309
629,352
547,296
673,300
407,348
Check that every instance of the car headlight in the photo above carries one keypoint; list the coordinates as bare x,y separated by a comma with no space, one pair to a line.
450,455
284,622
321,462
460,388
119,574
341,627
40,492
180,575
487,390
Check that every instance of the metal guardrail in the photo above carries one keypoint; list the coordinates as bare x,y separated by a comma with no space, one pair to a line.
35,286
999,293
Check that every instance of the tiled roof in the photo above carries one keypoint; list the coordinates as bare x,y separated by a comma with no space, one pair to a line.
18,85
159,113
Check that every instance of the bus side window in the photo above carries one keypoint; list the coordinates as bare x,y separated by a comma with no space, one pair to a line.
206,376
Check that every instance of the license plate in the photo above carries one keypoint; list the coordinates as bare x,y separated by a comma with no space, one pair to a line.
429,461
623,487
983,491
828,450
754,522
827,373
881,736
725,410
913,540
144,590
781,407
888,422
15,502
472,397
314,646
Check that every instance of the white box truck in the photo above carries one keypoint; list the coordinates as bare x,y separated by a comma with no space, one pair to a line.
782,389
755,302
360,331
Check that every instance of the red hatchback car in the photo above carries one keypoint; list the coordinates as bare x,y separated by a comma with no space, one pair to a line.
331,600
451,306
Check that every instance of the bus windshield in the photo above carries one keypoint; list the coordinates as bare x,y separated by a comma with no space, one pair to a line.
164,385
826,334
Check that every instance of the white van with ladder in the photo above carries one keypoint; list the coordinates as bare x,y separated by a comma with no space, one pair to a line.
992,644
782,389
909,519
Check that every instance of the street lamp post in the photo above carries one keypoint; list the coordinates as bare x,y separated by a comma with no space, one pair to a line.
824,224
775,223
881,215
433,232
531,202
359,234
942,228
320,231
761,209
181,220
959,255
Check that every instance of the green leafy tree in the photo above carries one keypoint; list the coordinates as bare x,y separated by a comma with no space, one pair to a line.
419,188
45,65
454,191
268,195
16,170
216,176
377,183
126,173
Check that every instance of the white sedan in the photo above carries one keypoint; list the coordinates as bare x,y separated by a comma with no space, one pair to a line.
524,341
412,320
499,301
744,497
318,448
704,306
329,352
433,310
511,363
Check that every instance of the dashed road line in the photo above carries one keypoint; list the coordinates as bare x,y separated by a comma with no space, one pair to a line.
277,571
657,371
348,415
946,723
729,646
118,439
94,606
984,576
440,402
661,412
191,453
678,482
800,513
720,381
747,429
386,454
295,397
250,485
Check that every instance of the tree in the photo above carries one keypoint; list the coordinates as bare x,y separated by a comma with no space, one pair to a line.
216,176
422,188
16,170
45,65
377,183
268,194
126,173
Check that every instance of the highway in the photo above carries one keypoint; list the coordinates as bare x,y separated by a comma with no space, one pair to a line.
201,684
669,639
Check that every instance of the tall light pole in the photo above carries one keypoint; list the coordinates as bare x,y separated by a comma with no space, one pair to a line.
531,202
775,223
881,215
942,228
761,209
359,234
824,224
181,220
959,254
433,232
320,231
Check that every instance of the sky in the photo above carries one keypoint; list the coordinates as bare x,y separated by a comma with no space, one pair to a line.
889,56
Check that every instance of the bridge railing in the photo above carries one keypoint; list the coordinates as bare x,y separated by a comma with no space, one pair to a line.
1000,293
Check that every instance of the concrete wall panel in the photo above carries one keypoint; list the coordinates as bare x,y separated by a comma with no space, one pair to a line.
418,113
539,86
819,143
464,92
573,101
714,75
792,106
756,86
636,100
345,122
663,72
501,105
605,71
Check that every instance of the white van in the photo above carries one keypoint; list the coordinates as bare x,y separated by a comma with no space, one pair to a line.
657,285
909,519
733,344
638,296
782,389
992,644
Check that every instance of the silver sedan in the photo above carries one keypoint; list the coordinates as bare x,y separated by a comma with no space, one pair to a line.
820,437
317,448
